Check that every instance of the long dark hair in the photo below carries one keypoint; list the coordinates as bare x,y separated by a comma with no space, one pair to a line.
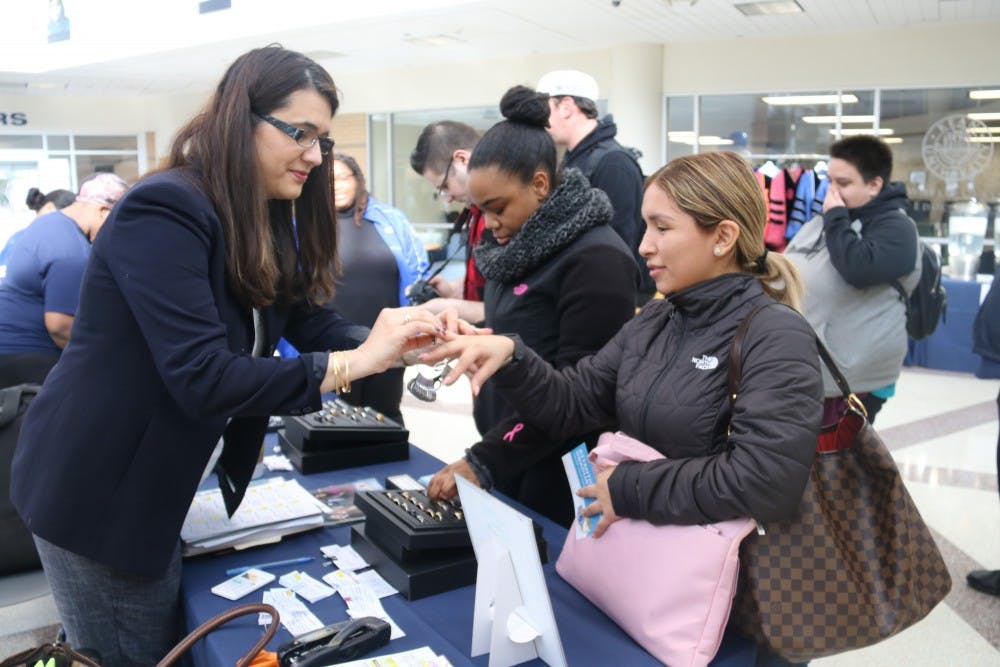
519,145
262,264
360,202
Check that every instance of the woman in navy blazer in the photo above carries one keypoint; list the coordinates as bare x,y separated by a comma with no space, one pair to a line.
194,278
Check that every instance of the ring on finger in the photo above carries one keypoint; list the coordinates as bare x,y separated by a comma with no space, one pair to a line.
407,319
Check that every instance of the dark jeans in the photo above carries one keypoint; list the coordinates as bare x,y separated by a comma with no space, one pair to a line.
128,619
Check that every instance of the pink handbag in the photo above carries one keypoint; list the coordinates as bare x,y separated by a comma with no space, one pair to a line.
669,587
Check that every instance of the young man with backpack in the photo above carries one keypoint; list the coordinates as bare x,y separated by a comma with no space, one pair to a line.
850,260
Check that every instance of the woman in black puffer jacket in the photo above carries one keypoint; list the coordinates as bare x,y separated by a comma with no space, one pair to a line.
662,378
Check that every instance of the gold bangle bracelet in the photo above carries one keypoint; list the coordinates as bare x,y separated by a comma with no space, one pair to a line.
347,375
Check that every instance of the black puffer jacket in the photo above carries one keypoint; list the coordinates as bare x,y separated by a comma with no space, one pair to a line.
662,380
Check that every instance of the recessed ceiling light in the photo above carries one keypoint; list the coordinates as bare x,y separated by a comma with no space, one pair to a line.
769,7
984,115
882,131
433,40
45,85
830,120
789,100
324,55
893,140
985,94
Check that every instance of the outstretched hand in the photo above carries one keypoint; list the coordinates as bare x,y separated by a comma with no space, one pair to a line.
443,485
480,356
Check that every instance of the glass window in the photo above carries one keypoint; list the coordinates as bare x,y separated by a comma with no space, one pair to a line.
106,142
778,126
412,193
680,126
939,167
20,141
58,142
378,149
126,166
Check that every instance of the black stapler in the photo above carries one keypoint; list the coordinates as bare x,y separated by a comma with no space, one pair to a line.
339,642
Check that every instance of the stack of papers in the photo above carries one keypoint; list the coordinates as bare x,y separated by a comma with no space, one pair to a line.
270,509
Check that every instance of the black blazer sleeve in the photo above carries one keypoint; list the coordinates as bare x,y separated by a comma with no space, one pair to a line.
164,249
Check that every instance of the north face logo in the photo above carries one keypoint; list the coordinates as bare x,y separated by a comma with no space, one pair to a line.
705,362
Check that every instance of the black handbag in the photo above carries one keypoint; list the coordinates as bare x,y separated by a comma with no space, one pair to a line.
18,553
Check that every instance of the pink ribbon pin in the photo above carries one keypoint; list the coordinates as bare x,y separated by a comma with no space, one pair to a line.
520,289
509,435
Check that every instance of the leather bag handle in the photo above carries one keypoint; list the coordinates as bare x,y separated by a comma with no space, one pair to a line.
736,361
221,619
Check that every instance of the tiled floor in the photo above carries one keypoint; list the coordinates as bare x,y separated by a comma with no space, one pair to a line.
942,429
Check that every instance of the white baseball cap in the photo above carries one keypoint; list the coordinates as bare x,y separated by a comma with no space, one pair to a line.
568,82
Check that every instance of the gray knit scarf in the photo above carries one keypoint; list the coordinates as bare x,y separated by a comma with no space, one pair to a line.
572,209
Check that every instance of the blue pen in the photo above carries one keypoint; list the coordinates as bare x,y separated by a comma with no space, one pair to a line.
266,566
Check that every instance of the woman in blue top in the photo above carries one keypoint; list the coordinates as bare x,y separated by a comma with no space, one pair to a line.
380,257
41,286
195,276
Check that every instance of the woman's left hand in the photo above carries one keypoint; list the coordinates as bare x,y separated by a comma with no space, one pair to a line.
601,494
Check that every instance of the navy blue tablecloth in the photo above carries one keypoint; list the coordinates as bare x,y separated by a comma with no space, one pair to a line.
443,622
949,348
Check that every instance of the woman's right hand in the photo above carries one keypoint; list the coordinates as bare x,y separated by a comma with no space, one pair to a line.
443,485
395,332
478,356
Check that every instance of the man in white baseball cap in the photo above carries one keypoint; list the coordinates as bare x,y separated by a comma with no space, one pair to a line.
591,147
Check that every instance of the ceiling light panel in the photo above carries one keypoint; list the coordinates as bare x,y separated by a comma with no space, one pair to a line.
769,7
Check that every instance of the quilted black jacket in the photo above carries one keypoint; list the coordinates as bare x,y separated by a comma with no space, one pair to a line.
662,380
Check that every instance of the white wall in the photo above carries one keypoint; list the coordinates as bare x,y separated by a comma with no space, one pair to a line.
919,57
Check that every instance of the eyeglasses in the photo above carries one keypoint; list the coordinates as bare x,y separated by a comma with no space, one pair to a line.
442,191
304,138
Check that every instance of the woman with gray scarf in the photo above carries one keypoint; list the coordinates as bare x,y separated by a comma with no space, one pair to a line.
557,275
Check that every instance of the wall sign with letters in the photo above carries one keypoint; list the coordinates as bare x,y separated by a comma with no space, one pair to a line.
13,119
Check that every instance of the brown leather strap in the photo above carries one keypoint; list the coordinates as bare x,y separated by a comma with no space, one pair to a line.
736,358
736,352
221,619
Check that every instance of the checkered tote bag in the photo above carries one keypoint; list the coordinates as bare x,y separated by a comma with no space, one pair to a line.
857,565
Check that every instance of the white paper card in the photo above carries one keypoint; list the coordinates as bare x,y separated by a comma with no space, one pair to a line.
242,584
305,586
